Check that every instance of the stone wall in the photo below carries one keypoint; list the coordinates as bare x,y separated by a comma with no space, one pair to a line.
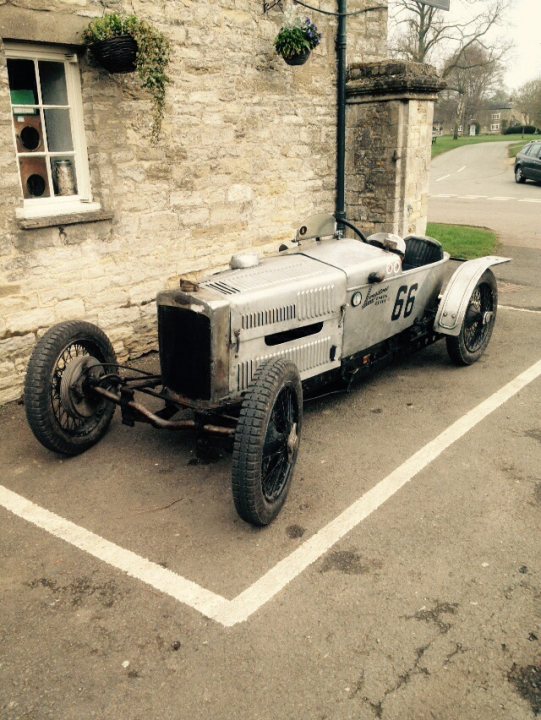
248,149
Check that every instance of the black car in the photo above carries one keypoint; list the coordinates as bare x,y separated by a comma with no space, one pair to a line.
528,163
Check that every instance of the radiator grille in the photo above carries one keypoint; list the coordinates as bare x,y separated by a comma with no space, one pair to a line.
185,351
306,357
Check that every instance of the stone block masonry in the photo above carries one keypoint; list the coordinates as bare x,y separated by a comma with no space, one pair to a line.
389,138
247,150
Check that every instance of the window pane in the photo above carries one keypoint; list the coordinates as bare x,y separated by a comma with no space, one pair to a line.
34,177
22,82
58,127
53,83
28,131
64,176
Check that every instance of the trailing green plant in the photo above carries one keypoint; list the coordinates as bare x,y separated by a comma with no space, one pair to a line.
152,58
297,37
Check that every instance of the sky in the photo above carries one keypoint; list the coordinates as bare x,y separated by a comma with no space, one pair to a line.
521,26
525,30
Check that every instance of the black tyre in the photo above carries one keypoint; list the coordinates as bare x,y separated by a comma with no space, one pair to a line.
478,322
519,175
267,442
63,413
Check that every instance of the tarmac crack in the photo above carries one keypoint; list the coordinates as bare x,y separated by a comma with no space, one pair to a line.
403,679
434,615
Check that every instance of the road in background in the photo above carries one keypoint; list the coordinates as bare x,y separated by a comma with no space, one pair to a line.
475,185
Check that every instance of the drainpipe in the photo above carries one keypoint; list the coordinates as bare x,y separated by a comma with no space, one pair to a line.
340,212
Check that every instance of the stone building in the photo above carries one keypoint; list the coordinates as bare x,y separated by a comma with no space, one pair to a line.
495,118
247,149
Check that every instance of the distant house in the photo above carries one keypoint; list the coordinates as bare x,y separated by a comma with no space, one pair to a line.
495,118
492,119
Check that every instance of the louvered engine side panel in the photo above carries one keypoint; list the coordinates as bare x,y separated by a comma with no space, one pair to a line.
316,302
270,316
308,356
270,274
221,287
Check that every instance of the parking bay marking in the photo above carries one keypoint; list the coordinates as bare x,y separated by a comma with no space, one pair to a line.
451,196
239,609
519,309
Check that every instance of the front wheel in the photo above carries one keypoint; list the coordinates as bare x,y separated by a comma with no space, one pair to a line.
267,442
519,175
478,322
63,413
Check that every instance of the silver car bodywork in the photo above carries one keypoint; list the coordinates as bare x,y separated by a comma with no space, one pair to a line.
241,350
453,304
317,304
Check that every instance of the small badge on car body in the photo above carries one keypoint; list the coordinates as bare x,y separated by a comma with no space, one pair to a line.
356,299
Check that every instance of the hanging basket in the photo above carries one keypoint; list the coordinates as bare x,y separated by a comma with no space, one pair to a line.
117,55
299,59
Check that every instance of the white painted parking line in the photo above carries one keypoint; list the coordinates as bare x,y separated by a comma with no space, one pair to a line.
498,198
443,177
461,169
286,570
129,562
231,612
519,309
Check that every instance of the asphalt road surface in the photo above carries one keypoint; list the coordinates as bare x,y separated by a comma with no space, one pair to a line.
475,185
401,580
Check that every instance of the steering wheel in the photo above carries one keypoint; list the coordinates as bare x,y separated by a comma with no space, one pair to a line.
357,232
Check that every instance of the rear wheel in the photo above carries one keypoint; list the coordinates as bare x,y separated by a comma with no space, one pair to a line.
62,411
267,442
478,322
519,175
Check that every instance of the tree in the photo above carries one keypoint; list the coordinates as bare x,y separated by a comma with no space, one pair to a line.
468,63
425,34
528,100
472,75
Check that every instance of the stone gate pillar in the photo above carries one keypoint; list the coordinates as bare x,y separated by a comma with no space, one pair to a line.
388,145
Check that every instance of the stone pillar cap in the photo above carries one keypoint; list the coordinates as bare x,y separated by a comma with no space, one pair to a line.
393,77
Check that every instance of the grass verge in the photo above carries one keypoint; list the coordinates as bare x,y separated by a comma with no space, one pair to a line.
447,142
516,147
464,241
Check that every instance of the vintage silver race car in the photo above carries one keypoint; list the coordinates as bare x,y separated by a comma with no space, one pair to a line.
240,349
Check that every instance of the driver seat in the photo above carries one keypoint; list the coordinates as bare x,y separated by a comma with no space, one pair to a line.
421,250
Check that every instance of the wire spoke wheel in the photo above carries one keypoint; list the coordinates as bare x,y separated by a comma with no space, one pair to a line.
267,442
61,409
280,438
478,316
478,323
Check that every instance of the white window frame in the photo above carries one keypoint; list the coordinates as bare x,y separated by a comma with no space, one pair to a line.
496,116
82,202
494,127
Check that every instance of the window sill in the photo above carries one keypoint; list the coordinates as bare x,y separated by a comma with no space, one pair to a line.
35,223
